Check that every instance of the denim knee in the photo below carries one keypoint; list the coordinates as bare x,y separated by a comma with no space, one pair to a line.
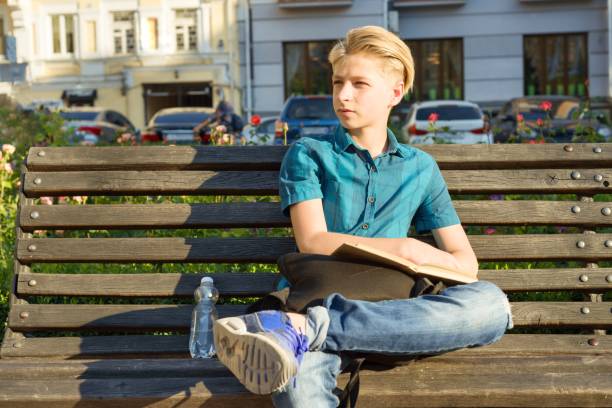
491,297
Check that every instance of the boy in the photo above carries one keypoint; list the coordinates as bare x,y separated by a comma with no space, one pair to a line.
361,185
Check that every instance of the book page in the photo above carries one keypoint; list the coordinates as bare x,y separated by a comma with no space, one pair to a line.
368,253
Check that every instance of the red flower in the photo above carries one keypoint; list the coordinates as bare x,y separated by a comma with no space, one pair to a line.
490,231
519,118
546,106
540,122
255,120
531,141
433,117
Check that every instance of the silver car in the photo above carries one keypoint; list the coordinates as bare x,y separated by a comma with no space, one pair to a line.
446,121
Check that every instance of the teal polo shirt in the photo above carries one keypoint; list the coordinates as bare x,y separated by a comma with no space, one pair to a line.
362,195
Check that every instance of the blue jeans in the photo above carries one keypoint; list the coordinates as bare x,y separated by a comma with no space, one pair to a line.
461,316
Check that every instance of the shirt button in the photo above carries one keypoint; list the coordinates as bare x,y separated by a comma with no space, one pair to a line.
365,226
371,200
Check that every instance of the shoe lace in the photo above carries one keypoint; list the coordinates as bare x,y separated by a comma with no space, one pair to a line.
298,342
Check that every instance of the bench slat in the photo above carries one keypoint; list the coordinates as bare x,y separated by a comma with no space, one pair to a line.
178,317
486,247
485,382
267,214
461,363
250,284
115,183
511,156
133,285
177,345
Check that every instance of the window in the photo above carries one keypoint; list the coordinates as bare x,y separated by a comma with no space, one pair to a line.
90,39
123,32
555,64
438,69
186,32
62,26
307,70
151,37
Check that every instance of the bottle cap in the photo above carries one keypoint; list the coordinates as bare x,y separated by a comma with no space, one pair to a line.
206,279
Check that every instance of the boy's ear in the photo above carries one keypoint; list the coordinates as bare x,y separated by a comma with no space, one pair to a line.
398,92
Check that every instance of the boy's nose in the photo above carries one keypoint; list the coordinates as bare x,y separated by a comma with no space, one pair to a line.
345,92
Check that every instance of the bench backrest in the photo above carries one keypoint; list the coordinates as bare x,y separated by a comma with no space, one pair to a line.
556,196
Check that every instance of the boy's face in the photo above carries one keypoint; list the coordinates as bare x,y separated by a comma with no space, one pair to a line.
363,93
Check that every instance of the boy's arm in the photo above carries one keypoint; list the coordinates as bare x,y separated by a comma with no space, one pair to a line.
311,235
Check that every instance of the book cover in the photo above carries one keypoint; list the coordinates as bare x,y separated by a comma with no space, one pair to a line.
364,252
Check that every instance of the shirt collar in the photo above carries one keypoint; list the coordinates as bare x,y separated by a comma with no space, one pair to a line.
343,140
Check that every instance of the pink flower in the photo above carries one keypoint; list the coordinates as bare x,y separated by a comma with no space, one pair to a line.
433,117
8,168
221,129
46,200
490,231
546,106
38,232
520,118
540,122
531,141
62,199
8,148
78,199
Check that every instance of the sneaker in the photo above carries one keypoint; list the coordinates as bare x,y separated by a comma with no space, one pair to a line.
261,349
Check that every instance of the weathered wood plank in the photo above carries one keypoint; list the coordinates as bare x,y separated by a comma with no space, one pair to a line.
140,216
177,346
250,284
494,156
139,284
267,214
484,385
115,183
486,247
154,249
459,362
178,317
109,317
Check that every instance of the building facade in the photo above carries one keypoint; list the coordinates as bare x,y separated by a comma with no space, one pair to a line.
480,50
136,56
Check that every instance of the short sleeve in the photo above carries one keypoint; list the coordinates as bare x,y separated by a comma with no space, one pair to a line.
299,176
436,209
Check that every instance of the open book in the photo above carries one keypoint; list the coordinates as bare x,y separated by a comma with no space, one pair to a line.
357,251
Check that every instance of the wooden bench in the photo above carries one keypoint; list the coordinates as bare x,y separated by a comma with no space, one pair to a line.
84,337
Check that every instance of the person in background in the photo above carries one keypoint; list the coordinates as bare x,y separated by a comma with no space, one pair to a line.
224,116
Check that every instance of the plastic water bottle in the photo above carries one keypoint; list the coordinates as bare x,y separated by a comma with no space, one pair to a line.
201,343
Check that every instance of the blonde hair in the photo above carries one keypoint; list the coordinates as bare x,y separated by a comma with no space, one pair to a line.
377,41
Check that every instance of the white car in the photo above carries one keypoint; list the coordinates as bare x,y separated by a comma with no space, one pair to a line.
446,121
263,134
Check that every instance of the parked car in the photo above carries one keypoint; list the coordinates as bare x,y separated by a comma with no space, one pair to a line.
454,121
264,132
309,115
105,124
565,118
175,125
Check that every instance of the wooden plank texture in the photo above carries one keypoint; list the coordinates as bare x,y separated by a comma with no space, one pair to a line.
178,317
130,346
114,183
258,284
77,158
486,247
431,382
139,284
268,214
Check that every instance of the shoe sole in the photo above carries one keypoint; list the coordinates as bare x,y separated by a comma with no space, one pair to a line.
259,363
